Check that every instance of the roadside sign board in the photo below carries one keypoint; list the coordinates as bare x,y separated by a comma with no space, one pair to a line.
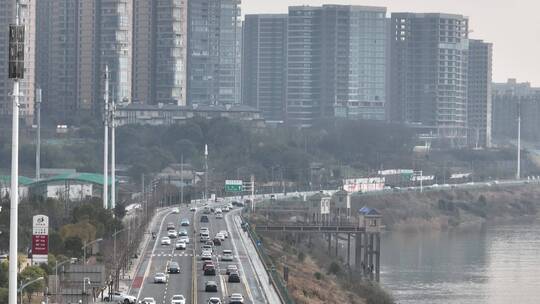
40,239
234,186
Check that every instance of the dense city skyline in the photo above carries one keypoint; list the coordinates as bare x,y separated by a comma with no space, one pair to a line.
514,51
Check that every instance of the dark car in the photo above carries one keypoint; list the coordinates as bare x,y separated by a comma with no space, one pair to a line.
204,219
234,277
170,226
217,242
210,270
210,286
174,267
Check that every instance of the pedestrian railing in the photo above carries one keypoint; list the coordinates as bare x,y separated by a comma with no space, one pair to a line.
275,278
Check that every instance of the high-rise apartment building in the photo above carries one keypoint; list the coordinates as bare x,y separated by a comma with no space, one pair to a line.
214,51
508,98
56,61
429,74
27,85
336,63
159,52
304,52
479,93
264,64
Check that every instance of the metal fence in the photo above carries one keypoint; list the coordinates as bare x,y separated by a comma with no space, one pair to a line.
275,278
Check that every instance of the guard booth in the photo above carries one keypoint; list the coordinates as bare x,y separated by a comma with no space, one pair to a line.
370,219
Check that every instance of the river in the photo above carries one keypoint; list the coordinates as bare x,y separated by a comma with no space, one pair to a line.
497,265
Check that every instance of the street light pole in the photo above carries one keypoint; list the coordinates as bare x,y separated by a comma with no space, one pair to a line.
206,172
113,156
14,195
25,285
114,255
38,135
86,244
84,288
518,169
106,142
56,277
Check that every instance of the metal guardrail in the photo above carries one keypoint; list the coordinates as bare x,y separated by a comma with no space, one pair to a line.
275,278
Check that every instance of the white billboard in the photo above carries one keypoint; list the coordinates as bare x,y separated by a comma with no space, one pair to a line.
367,184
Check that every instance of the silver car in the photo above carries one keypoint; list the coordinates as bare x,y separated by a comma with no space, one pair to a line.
160,277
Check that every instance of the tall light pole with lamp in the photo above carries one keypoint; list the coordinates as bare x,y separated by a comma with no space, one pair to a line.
56,276
86,244
15,72
23,286
114,255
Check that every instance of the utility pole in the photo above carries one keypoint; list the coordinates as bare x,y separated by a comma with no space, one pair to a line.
106,142
113,155
206,172
518,171
16,72
253,192
182,179
38,135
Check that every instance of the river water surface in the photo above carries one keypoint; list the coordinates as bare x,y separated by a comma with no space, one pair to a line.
498,265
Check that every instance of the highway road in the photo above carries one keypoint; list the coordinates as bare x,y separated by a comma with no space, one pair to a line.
191,281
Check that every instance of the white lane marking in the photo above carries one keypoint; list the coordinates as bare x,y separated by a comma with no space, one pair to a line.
241,266
153,250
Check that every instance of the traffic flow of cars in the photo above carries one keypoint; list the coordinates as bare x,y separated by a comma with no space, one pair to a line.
212,250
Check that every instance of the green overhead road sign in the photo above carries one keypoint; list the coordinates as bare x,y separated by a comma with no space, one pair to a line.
234,186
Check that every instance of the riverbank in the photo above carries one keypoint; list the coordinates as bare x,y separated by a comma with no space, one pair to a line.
453,208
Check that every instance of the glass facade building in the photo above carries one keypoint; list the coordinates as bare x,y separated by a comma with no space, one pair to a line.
214,51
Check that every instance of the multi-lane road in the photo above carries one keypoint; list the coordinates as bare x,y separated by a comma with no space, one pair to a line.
191,281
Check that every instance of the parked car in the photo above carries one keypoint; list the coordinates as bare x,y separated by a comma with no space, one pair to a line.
210,286
119,297
178,299
160,277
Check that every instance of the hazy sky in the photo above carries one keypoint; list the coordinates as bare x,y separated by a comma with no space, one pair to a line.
513,26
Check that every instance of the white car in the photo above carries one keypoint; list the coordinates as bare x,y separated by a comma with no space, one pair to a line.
206,255
219,216
226,209
180,245
172,234
225,233
119,297
193,209
220,236
147,301
204,230
178,299
227,256
160,277
165,240
175,211
236,298
184,239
